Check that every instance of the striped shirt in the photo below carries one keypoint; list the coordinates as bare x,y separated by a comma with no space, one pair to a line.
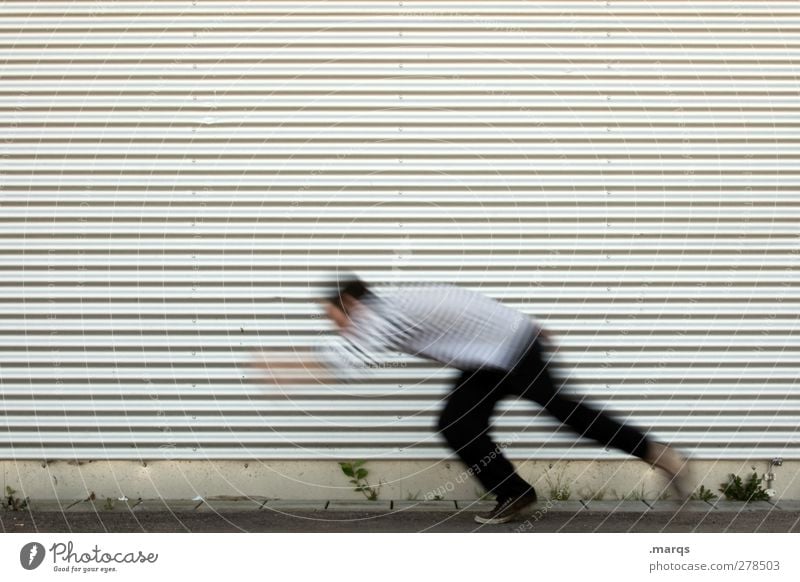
445,323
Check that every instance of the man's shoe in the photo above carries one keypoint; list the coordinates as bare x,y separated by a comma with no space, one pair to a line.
506,510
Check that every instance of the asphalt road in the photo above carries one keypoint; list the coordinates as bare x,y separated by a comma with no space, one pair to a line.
402,521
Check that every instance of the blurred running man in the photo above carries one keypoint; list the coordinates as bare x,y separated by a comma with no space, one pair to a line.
499,351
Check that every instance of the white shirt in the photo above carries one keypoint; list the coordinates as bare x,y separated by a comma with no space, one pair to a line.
442,322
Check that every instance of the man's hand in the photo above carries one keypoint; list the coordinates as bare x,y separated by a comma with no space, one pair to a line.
547,336
302,369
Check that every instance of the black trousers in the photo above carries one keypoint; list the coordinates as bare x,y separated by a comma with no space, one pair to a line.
464,420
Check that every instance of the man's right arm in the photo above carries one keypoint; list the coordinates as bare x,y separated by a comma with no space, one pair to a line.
346,359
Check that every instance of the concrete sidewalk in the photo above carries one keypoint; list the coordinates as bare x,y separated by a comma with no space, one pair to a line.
277,515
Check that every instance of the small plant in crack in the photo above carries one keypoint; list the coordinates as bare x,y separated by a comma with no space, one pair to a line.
13,503
559,488
635,494
593,494
737,490
358,477
703,494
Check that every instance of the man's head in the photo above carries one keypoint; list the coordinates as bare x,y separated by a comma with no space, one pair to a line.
341,303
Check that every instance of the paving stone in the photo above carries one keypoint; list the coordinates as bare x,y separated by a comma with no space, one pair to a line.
616,506
568,506
294,505
49,505
475,505
788,504
411,505
673,505
168,505
230,504
541,505
80,506
359,505
737,506
222,505
100,506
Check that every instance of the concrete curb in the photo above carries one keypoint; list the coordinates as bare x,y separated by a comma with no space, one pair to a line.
249,504
616,506
424,506
228,505
292,505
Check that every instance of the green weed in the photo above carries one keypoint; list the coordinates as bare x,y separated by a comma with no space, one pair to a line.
358,477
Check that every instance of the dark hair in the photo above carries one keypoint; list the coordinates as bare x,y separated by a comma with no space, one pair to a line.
352,286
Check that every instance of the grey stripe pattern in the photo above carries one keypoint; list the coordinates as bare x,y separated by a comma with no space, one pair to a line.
446,323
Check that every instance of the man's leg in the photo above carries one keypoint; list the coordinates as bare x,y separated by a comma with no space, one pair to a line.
533,381
464,424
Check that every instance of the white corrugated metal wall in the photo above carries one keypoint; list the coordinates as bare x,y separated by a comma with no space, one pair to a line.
176,177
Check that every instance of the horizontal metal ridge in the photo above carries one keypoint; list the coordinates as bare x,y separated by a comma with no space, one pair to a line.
179,180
